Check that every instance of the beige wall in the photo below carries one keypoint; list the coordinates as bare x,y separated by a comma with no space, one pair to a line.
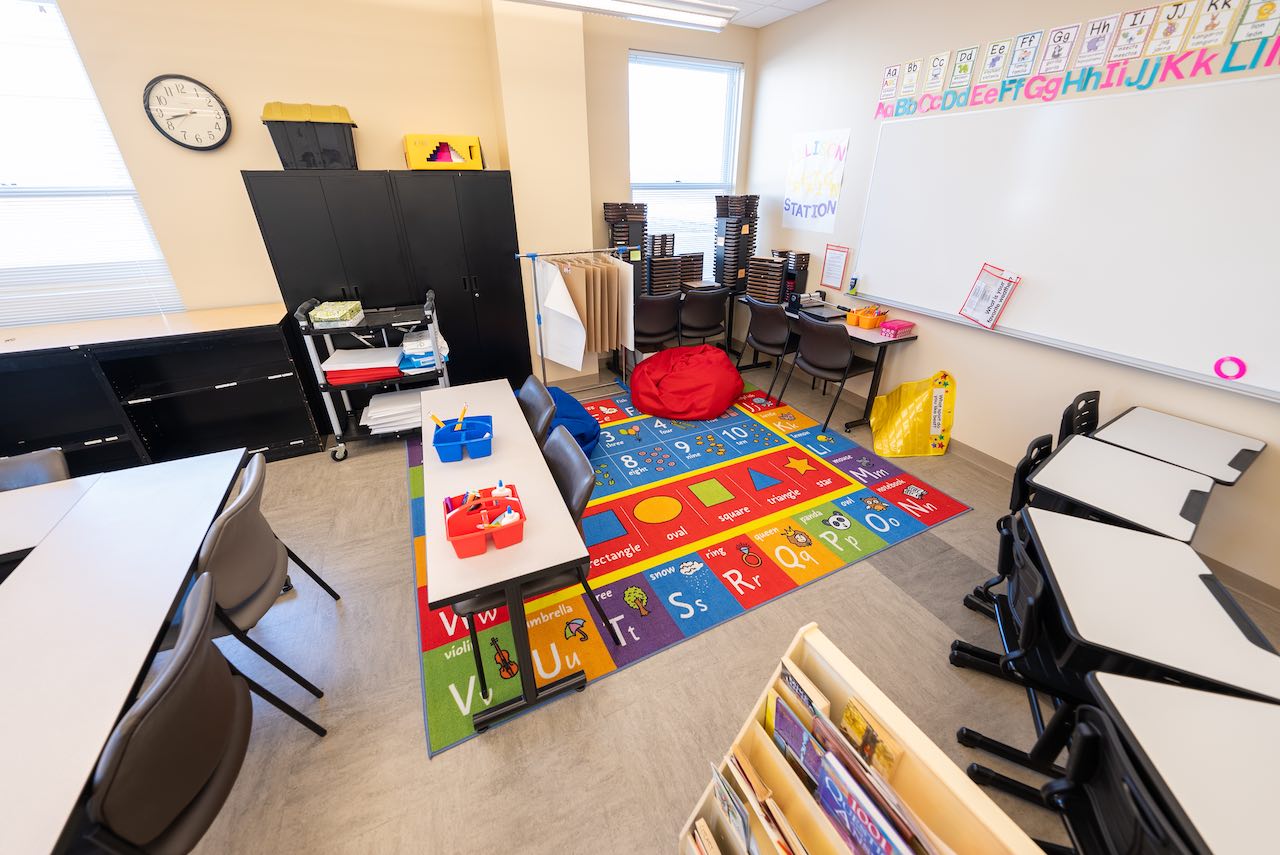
397,66
608,42
824,65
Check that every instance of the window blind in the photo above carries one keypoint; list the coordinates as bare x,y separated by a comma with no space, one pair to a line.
684,119
75,243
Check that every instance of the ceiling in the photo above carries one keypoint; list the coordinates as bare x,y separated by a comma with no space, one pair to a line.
760,13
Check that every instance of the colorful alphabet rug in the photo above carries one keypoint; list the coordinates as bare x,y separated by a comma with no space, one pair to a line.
690,524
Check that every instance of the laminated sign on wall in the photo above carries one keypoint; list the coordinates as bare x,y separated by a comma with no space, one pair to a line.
989,295
815,170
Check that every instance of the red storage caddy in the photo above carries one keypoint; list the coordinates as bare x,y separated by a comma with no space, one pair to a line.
468,525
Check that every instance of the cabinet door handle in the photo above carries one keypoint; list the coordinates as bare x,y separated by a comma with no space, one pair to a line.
466,283
475,287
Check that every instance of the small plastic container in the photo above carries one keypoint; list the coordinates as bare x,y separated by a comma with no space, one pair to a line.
896,329
462,525
476,438
870,322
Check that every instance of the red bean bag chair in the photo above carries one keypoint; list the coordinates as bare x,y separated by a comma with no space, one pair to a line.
692,383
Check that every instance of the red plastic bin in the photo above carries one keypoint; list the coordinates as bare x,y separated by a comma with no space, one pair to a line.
461,523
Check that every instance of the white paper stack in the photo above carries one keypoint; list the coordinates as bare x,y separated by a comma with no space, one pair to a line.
390,412
418,356
362,359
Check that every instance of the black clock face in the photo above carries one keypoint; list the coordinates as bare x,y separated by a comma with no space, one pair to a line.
187,112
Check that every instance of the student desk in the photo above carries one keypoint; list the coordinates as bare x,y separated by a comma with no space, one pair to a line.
857,336
1212,758
30,513
1136,490
551,541
1220,454
1140,604
80,620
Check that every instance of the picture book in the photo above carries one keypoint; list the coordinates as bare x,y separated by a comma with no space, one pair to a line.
756,804
743,764
733,809
705,839
790,840
795,742
870,739
907,824
808,696
855,816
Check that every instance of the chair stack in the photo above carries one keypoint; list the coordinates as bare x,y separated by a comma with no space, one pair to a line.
735,238
766,278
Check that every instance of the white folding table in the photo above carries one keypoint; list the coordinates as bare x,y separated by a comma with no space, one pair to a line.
1211,757
551,540
30,513
1137,490
1138,603
80,619
1222,455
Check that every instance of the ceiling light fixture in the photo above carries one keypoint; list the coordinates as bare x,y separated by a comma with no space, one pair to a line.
690,14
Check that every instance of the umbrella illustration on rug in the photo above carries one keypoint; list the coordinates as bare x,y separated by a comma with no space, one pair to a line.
575,627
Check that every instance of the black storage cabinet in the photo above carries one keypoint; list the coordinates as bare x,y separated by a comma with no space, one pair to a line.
387,237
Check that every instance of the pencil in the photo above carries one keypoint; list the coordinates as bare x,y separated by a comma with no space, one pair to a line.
462,415
436,419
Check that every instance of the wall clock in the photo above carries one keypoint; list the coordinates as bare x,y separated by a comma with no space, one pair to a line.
187,112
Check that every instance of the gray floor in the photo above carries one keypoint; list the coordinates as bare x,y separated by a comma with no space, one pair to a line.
616,768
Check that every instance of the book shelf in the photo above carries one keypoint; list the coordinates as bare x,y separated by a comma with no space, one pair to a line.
959,816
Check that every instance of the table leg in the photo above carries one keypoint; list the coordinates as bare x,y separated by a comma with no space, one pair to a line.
871,393
530,694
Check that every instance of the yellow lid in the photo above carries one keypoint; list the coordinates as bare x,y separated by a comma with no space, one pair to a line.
278,111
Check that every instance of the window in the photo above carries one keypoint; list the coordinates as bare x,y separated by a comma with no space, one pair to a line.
684,143
74,240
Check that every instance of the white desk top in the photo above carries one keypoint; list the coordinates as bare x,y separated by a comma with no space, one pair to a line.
1141,594
1137,489
82,333
1217,755
1182,442
31,512
78,618
551,537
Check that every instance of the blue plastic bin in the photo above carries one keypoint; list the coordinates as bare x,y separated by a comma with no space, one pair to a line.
476,438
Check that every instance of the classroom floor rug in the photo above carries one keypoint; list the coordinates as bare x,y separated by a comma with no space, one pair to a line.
690,525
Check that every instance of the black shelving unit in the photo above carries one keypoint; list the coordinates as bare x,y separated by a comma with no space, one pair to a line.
379,327
119,404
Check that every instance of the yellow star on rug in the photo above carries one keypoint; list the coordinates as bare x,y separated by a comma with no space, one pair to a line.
799,464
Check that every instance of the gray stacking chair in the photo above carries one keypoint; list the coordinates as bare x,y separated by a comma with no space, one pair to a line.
576,478
36,467
538,406
173,758
250,565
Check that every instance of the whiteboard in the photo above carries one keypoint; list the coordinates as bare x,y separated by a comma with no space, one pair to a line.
1146,226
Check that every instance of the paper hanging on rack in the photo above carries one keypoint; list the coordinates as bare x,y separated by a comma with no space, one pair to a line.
563,333
626,303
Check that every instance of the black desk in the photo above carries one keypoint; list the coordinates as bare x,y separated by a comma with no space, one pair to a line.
857,336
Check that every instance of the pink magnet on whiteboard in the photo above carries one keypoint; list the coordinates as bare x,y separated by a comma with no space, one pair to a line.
1234,363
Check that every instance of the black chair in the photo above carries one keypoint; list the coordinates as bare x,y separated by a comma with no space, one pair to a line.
769,333
173,758
826,354
1104,800
32,468
702,314
1080,416
657,320
1031,634
538,406
1020,496
576,478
